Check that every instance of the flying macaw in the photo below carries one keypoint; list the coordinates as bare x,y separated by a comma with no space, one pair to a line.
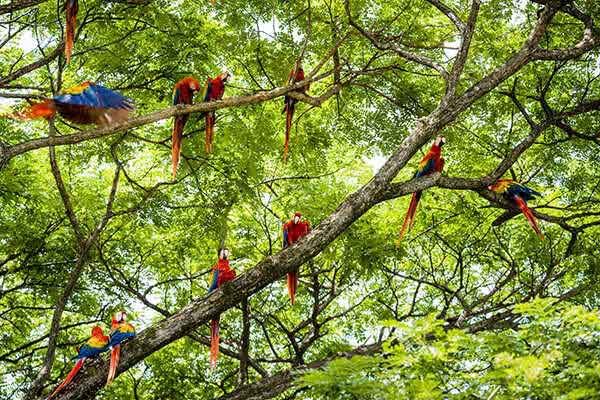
120,331
432,162
214,90
86,103
519,195
71,8
293,231
183,93
221,273
296,75
97,344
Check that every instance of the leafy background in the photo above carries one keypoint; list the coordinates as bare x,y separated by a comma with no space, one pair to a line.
527,310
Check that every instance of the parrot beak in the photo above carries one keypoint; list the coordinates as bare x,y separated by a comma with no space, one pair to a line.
440,141
296,219
224,254
120,317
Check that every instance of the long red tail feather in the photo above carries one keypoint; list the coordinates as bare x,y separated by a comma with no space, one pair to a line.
292,285
529,216
176,144
409,219
210,125
214,342
115,355
69,378
288,127
70,26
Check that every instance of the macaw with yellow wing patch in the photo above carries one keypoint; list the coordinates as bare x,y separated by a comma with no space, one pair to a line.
519,195
120,331
183,93
214,90
96,345
86,103
431,162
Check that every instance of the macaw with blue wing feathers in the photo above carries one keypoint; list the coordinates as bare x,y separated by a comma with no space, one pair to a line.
86,103
120,331
183,93
71,9
519,195
96,345
214,90
221,273
431,162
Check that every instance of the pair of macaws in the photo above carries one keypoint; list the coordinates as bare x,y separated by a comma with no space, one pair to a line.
183,93
514,192
120,331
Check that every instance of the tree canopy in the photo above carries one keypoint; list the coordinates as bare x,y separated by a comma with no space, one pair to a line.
470,304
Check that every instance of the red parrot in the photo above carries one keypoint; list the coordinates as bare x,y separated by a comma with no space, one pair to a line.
220,274
432,162
120,331
183,93
214,90
296,75
97,344
71,8
294,230
519,195
86,103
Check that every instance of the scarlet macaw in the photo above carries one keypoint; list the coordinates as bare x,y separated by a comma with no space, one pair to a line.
519,195
293,230
432,162
71,8
97,344
221,273
214,90
86,103
183,93
296,75
120,331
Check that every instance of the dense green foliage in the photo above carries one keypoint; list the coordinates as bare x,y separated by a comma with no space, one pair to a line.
465,310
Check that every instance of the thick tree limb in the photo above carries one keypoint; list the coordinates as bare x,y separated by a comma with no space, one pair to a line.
17,5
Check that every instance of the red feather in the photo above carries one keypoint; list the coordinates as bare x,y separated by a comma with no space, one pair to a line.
69,377
409,219
45,109
115,355
292,285
176,142
289,108
214,342
210,125
529,216
71,24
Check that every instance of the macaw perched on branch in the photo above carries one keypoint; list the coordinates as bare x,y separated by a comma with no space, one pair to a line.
71,8
432,162
120,331
294,230
519,195
183,93
97,344
296,75
214,90
221,273
86,103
